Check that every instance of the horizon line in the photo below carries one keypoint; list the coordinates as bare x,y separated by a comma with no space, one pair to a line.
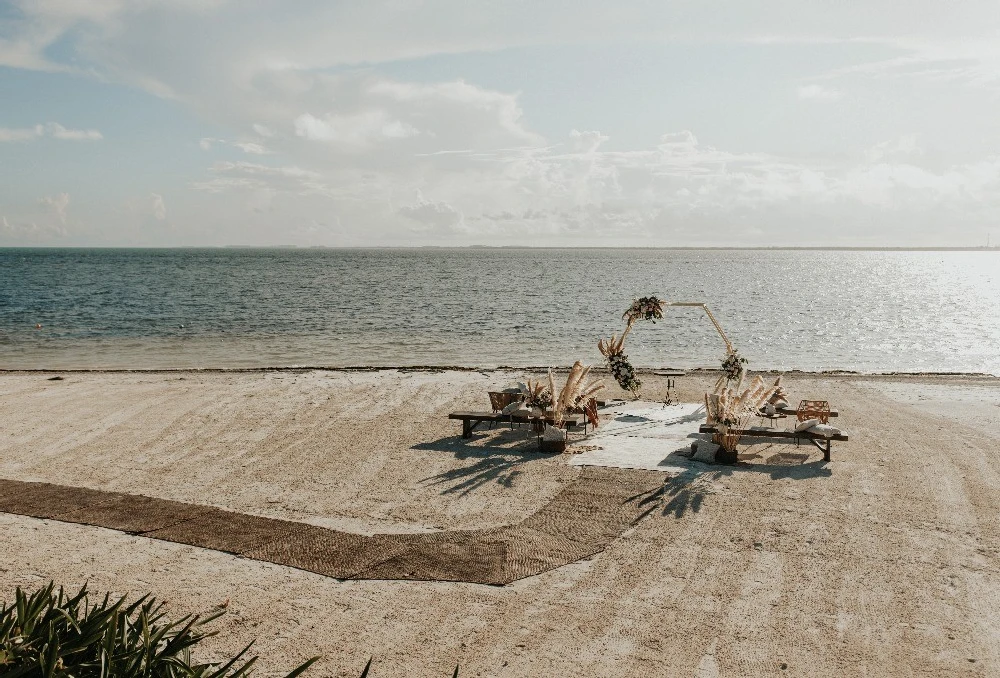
830,248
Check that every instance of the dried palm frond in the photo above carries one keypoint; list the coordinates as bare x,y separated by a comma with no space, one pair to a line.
779,392
730,409
575,392
613,346
536,393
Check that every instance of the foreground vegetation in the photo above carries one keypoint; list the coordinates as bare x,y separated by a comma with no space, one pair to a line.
52,634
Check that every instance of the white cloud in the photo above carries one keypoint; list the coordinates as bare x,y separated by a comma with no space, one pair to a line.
158,208
248,147
51,129
348,145
246,175
45,222
58,204
359,130
27,231
57,131
818,93
904,148
429,214
585,142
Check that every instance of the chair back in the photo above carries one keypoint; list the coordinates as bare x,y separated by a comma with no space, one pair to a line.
813,409
590,409
500,400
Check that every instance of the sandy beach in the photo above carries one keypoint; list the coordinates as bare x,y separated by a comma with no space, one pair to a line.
883,561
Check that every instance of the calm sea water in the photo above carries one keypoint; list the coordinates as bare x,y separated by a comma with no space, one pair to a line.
809,310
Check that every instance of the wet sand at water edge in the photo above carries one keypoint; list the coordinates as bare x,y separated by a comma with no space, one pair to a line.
882,562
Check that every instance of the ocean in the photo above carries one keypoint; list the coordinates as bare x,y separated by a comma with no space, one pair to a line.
864,311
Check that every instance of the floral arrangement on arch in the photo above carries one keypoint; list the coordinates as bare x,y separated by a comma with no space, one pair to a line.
733,367
646,308
621,369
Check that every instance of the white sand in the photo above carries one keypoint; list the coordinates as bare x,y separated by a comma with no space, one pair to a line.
882,562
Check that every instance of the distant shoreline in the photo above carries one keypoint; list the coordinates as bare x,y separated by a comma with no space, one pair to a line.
312,248
651,371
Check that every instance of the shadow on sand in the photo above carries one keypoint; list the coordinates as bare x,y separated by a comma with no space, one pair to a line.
500,456
687,490
495,457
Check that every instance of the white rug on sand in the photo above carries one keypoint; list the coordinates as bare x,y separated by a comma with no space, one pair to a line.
641,435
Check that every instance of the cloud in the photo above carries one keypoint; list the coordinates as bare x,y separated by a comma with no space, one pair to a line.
904,149
52,129
969,60
585,142
679,191
818,93
359,130
57,131
439,215
157,207
46,221
249,147
339,145
228,176
29,232
58,204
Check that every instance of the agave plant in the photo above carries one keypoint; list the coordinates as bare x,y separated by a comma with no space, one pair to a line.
55,634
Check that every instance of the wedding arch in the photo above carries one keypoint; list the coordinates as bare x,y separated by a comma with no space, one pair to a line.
651,309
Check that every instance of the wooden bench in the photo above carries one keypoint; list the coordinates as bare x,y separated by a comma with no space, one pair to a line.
470,420
814,438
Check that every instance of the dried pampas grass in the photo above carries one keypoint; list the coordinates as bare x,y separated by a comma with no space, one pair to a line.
730,409
575,393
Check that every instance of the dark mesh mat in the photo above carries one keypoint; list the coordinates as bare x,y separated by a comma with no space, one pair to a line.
134,513
596,508
327,552
529,552
226,531
44,500
463,555
579,522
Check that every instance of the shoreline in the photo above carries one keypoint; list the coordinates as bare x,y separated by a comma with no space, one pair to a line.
651,371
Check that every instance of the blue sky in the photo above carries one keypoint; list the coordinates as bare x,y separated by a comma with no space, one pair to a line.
217,122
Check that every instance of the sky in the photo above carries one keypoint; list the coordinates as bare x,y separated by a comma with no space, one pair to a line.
466,122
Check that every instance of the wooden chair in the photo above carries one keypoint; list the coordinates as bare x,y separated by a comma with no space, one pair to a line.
500,400
591,415
813,409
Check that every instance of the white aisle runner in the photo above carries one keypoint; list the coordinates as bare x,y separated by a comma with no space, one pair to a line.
643,435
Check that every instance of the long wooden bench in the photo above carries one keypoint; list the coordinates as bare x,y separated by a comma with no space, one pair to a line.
470,420
760,432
